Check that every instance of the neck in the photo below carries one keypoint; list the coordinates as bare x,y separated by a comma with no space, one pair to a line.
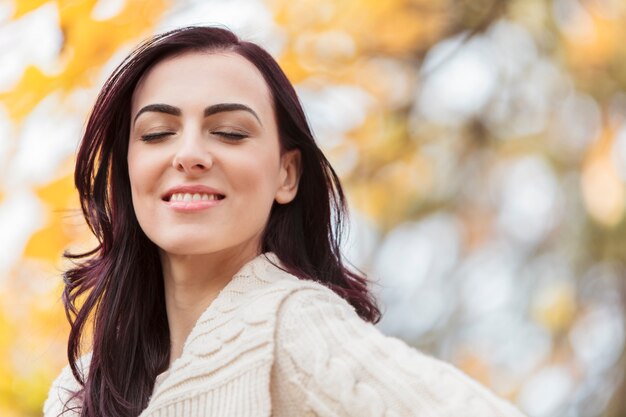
191,284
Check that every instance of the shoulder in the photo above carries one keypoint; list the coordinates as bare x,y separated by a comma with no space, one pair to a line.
300,301
332,359
273,280
62,390
286,297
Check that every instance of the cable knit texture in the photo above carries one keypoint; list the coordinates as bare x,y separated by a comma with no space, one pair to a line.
272,344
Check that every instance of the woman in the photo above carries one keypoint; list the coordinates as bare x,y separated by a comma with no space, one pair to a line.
217,287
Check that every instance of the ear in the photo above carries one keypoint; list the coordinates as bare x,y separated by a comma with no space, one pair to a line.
290,171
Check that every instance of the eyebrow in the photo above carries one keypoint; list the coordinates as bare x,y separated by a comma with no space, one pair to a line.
209,111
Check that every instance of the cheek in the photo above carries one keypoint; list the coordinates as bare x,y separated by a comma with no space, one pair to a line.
141,174
139,168
256,175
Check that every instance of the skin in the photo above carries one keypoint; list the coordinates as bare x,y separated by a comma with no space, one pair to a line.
201,251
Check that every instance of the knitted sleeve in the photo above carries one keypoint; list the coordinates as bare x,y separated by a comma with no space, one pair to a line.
332,363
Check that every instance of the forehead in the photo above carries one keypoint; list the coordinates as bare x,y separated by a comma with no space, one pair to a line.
206,78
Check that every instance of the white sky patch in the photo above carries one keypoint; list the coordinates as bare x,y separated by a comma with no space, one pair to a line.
546,393
34,39
7,141
334,110
597,337
618,152
514,48
458,82
514,346
21,214
412,264
360,239
6,11
487,282
106,9
578,122
527,86
47,138
415,252
529,200
526,348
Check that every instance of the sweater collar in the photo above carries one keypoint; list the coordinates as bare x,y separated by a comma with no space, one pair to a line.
252,275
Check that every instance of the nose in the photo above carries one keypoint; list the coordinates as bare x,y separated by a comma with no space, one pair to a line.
192,155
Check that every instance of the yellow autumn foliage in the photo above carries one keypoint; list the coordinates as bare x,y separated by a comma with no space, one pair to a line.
29,296
87,45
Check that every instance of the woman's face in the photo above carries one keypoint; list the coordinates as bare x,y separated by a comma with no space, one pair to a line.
204,157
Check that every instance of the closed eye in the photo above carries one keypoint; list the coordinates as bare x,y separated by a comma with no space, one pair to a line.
231,135
152,136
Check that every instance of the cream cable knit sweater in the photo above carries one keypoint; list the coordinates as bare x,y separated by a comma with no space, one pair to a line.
273,345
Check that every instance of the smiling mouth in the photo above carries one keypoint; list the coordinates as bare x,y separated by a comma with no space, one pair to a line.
192,197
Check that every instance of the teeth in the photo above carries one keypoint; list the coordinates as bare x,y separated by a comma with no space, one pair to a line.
186,197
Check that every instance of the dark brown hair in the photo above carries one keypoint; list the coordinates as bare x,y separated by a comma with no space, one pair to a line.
120,282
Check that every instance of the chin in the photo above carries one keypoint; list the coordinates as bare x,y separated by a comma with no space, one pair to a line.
187,249
188,243
186,246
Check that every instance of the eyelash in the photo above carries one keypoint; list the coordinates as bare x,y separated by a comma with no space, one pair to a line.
232,136
152,136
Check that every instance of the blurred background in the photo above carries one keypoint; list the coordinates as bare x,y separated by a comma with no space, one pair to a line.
482,144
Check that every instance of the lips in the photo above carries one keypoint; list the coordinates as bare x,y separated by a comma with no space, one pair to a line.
191,190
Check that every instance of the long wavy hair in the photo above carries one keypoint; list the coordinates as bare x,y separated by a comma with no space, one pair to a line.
118,286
